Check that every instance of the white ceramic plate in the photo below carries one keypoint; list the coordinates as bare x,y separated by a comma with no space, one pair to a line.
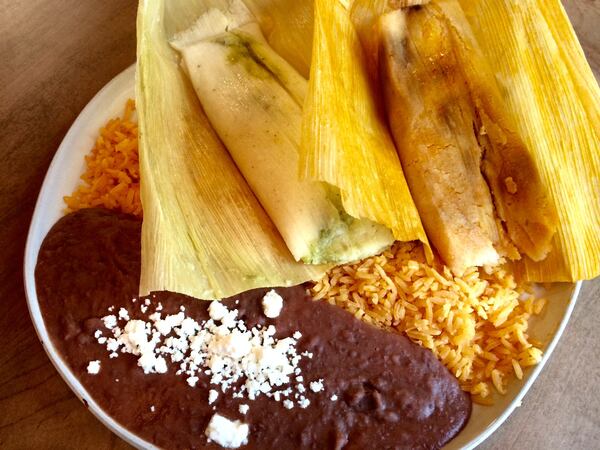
63,176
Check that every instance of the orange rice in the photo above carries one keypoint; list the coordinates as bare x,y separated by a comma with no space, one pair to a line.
112,177
475,324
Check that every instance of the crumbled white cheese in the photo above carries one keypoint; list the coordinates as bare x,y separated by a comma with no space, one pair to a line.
245,363
334,398
217,310
272,303
134,340
188,327
112,345
152,408
134,337
160,365
212,396
110,321
316,386
93,367
123,314
288,404
227,433
165,325
222,348
304,402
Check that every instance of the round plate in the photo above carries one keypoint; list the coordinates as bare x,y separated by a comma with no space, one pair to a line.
62,178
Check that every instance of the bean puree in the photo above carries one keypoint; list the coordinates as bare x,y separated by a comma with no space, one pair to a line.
391,393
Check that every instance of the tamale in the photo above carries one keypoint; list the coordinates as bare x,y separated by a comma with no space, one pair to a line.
204,234
548,84
476,187
253,99
345,141
288,27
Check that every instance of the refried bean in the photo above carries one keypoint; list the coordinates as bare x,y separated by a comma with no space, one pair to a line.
391,393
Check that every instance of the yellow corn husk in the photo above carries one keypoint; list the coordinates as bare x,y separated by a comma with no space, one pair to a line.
204,233
365,16
288,27
253,99
549,86
469,169
345,141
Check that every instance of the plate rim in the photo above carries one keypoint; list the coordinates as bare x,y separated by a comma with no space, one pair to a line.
127,76
31,257
491,428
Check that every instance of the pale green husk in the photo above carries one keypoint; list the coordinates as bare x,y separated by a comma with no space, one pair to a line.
204,233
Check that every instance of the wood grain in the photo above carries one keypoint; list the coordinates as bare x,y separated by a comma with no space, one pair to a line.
55,55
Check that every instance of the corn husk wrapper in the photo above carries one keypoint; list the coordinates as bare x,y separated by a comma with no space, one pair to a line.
548,84
345,141
204,233
288,27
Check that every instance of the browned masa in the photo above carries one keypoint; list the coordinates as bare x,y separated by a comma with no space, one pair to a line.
392,393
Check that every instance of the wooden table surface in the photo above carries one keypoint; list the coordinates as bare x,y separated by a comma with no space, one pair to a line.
55,55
